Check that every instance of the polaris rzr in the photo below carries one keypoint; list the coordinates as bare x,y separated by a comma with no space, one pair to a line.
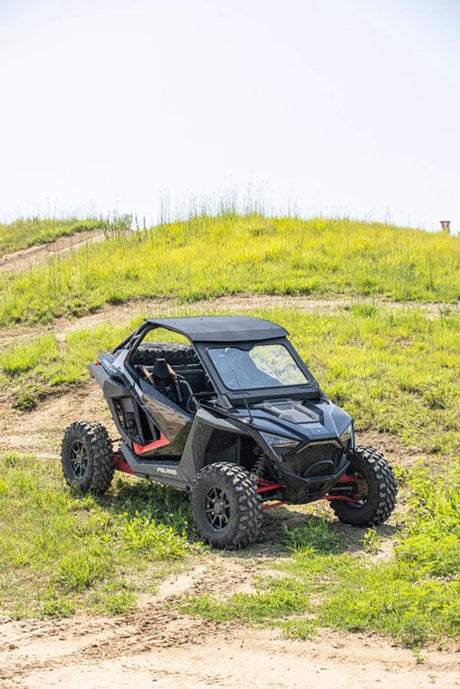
236,419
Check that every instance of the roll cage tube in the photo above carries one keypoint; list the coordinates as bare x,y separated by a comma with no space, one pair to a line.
136,338
134,335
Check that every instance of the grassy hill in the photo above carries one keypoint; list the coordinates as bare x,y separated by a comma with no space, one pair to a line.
394,369
209,257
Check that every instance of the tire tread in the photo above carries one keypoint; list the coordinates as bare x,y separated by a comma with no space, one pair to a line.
99,448
377,510
249,519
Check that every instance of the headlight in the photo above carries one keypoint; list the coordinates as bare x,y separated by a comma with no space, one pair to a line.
278,442
347,434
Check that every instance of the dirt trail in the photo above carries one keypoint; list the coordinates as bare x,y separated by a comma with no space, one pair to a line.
122,314
39,254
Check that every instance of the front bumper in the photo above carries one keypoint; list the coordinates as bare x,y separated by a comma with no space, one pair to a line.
303,489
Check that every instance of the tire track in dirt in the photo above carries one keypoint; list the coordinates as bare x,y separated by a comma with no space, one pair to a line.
160,646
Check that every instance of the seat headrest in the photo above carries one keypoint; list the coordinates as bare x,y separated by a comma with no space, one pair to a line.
161,370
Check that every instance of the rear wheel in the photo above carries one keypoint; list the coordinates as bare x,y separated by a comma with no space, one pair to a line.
87,457
225,506
372,488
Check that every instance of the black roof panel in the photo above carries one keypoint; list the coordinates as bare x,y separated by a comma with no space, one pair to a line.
221,328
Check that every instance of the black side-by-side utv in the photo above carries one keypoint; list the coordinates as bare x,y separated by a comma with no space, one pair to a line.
235,418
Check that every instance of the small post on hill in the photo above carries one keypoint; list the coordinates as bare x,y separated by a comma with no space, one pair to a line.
445,225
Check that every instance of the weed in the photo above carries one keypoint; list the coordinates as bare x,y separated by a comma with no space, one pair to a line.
53,604
114,599
80,570
268,604
420,658
315,536
370,540
28,397
142,533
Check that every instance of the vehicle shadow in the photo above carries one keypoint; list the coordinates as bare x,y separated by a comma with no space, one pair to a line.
284,529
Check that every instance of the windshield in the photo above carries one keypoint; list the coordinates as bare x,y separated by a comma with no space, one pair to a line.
261,366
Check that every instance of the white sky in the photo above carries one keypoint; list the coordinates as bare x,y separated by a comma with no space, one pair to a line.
342,107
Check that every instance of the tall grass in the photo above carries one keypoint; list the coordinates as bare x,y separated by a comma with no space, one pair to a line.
209,257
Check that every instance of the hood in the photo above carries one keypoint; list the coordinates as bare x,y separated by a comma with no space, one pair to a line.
305,422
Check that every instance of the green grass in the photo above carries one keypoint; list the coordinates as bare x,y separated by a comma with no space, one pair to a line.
414,597
392,370
61,551
209,257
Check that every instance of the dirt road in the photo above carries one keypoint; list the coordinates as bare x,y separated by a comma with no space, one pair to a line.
39,254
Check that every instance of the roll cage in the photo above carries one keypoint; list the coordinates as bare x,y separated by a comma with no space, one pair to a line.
211,332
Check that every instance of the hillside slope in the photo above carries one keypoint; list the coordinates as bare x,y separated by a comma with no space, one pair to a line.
210,257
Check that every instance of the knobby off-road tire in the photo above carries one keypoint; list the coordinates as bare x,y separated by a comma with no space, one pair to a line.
174,353
87,457
376,493
225,506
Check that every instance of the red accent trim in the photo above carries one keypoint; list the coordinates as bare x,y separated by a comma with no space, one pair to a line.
347,479
142,449
263,486
344,479
339,497
273,504
97,362
121,465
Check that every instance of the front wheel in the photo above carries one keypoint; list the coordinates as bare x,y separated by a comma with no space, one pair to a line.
87,457
371,485
225,506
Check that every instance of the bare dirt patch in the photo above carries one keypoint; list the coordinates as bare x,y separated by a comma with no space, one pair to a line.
158,647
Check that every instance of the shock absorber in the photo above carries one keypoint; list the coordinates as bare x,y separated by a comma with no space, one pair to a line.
258,469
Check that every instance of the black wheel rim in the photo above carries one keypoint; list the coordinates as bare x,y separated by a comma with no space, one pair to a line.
78,458
217,508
